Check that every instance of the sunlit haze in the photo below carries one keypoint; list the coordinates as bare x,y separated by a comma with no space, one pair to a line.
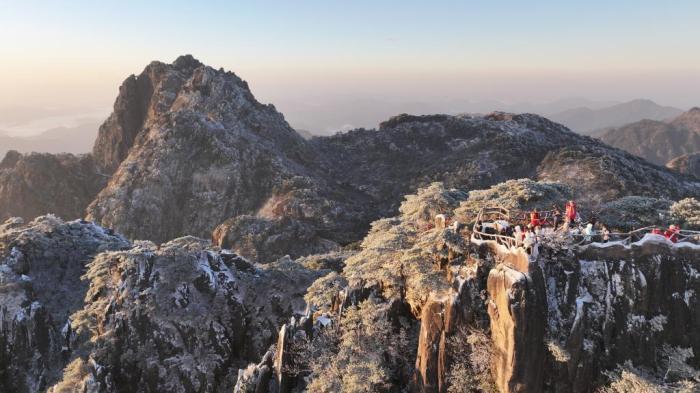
336,65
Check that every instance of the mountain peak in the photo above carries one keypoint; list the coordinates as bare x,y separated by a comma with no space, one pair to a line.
187,62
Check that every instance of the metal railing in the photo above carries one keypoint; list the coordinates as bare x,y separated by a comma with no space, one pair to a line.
489,216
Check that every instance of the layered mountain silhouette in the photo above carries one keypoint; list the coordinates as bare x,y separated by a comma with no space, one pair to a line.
188,148
587,121
658,141
76,139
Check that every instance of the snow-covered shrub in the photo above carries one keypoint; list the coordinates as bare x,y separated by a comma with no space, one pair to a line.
632,212
428,202
687,213
521,194
677,368
628,378
470,351
321,293
559,353
75,374
364,355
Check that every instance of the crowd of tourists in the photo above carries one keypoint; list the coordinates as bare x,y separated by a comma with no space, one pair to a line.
529,231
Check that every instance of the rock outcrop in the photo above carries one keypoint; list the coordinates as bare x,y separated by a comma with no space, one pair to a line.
205,151
40,288
180,317
597,176
609,305
264,240
517,311
35,184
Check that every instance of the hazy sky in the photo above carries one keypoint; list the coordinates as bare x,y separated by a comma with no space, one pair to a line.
65,59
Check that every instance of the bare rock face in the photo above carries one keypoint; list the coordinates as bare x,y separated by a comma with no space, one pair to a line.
599,175
688,164
205,151
35,184
517,308
428,376
40,288
180,317
619,303
268,240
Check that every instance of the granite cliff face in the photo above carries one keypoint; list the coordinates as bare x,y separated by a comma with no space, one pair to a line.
189,139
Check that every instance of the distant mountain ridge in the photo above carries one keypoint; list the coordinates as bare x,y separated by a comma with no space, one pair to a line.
586,121
77,139
687,164
658,141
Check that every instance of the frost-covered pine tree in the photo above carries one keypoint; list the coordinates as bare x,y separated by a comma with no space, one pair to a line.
687,213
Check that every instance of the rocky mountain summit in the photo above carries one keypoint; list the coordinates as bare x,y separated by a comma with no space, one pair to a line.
658,141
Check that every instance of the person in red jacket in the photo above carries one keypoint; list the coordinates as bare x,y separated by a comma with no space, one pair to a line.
535,218
570,212
672,233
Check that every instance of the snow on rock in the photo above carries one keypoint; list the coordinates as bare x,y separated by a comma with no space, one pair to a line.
40,267
185,309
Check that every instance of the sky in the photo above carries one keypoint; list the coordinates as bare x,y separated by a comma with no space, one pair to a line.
327,64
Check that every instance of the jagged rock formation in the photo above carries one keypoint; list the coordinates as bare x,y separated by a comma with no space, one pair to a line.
609,305
688,164
40,288
597,176
206,149
658,141
180,317
267,240
35,184
177,317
